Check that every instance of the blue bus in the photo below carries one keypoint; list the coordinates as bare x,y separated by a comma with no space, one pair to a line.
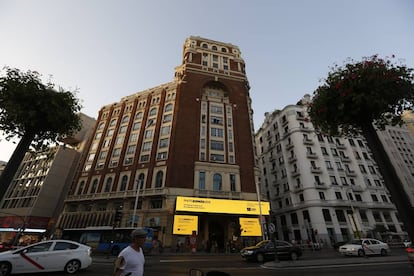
107,239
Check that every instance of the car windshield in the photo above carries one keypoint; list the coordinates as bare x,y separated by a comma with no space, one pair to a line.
359,242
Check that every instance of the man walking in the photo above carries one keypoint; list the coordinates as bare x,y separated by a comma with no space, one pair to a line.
130,262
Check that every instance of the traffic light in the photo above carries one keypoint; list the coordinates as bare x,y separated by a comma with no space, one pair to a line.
118,216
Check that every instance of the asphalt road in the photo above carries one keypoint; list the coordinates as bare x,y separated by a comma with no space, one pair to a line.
319,263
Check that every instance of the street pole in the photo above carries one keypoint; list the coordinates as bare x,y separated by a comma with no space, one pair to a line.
260,210
136,203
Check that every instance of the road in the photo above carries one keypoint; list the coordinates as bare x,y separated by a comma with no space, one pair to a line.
311,263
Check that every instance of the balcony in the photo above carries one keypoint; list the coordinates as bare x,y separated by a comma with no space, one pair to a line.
311,155
217,194
357,188
345,159
292,159
340,146
350,173
307,141
315,169
321,185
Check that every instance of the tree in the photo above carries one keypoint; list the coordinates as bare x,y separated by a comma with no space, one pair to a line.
360,98
34,112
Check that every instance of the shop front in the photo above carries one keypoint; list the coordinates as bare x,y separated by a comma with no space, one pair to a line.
217,225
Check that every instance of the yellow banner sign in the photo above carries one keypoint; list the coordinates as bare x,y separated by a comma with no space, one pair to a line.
250,227
185,225
227,206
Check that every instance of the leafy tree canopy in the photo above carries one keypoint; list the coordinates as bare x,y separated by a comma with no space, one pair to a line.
360,92
27,106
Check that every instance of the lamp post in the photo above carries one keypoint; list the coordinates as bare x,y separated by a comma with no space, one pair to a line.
139,182
260,210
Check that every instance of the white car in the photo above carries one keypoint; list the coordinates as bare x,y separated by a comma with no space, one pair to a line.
46,256
362,247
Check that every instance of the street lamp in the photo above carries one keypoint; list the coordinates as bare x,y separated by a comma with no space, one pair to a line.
139,182
260,210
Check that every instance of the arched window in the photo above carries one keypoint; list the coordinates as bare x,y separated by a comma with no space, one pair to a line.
124,183
217,182
158,179
94,185
101,125
138,116
204,45
113,122
168,107
141,179
125,119
153,112
80,189
108,185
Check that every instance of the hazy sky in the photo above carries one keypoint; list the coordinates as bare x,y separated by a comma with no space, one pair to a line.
108,49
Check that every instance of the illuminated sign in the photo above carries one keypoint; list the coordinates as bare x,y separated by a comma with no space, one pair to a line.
185,225
212,205
250,227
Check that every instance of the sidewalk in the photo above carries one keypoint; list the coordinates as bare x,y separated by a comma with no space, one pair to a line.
335,261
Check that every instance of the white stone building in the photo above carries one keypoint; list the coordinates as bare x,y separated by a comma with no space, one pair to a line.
321,188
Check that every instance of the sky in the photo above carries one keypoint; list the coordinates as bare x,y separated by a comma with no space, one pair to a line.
108,49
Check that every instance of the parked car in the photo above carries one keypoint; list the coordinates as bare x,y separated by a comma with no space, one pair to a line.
265,250
362,247
410,252
5,246
46,256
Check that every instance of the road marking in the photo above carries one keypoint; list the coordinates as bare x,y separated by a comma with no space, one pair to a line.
184,260
31,261
334,265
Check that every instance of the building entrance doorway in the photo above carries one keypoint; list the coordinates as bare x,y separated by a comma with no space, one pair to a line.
216,235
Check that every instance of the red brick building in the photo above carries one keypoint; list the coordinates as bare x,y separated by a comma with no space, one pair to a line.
192,137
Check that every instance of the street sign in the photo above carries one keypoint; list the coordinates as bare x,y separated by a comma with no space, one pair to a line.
272,228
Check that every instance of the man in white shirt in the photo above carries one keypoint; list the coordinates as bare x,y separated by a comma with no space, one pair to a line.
130,262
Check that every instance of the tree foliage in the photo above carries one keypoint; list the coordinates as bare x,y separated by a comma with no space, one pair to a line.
373,90
27,106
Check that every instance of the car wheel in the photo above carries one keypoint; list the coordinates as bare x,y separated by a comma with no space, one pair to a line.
361,253
5,268
293,256
72,267
384,252
260,258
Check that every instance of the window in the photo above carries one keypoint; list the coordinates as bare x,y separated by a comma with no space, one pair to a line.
217,157
156,204
216,145
138,116
81,185
168,107
232,182
122,129
146,146
124,182
141,179
64,246
217,132
322,195
362,168
148,134
163,143
133,137
340,215
125,119
116,152
165,130
167,118
131,149
136,125
216,120
159,179
202,180
294,219
338,195
333,180
152,112
374,197
108,185
217,182
327,215
343,181
94,186
162,155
